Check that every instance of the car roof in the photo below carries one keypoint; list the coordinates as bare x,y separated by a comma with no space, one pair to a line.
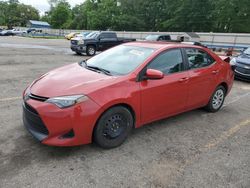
160,45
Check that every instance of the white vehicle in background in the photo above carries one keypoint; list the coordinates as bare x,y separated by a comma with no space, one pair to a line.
82,35
17,31
12,32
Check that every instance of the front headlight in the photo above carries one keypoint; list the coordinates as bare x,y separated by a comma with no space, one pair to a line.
81,42
67,101
233,62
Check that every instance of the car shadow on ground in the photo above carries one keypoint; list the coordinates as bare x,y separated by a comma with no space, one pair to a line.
152,128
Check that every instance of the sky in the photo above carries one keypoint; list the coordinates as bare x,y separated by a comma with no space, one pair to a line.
43,6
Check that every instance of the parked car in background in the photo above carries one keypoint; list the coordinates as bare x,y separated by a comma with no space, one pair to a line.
71,35
195,43
103,98
33,30
163,38
82,35
6,33
12,32
242,65
158,38
97,41
18,31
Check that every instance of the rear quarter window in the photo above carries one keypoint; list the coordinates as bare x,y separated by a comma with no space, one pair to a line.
198,58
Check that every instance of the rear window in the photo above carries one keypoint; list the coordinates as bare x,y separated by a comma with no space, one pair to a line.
198,58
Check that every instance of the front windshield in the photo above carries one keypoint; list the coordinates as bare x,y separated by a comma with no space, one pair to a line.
152,37
85,34
121,60
92,35
247,51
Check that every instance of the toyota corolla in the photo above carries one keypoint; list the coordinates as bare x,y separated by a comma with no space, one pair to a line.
103,98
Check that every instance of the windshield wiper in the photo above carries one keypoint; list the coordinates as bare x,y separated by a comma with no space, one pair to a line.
83,63
99,69
94,68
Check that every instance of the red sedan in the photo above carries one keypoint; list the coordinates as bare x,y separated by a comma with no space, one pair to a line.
102,99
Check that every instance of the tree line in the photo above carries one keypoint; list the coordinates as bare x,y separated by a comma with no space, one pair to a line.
141,15
13,13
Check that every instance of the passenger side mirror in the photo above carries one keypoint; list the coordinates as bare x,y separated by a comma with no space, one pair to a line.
154,74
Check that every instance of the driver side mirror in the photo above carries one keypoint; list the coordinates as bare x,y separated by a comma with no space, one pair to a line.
153,74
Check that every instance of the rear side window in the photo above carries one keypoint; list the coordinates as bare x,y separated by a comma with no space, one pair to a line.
164,38
198,58
167,37
108,35
168,62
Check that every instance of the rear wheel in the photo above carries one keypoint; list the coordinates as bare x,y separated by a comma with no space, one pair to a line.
113,127
78,53
217,99
91,50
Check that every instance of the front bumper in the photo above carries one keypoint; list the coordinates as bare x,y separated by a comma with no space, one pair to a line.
33,123
49,124
242,73
78,48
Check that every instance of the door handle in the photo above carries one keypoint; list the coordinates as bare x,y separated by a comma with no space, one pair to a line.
215,72
184,79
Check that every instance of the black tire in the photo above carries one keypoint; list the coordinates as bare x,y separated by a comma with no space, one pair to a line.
78,53
113,127
91,50
217,100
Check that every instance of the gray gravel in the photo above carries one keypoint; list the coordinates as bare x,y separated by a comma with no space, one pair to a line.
194,149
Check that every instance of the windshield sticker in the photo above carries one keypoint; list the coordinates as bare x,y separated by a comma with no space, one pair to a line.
136,52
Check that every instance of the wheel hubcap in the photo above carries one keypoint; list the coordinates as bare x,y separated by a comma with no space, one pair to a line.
91,51
114,126
218,99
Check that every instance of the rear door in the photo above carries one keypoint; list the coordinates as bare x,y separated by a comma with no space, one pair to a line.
167,96
203,73
107,40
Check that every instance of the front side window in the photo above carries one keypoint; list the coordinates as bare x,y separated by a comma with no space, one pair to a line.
168,62
198,58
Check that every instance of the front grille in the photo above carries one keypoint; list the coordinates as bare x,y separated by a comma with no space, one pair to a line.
74,42
242,70
33,121
37,98
29,108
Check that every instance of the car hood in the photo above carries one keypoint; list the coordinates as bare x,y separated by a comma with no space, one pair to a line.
243,59
70,80
77,38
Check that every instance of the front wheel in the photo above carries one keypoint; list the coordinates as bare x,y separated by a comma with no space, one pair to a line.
217,100
91,50
113,127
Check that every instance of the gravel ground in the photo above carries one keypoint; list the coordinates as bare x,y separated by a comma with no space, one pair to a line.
194,149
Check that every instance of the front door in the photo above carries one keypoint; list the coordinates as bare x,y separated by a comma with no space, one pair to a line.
167,96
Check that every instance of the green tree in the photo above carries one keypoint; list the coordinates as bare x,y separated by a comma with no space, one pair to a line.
190,15
3,12
232,16
61,15
13,13
79,17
